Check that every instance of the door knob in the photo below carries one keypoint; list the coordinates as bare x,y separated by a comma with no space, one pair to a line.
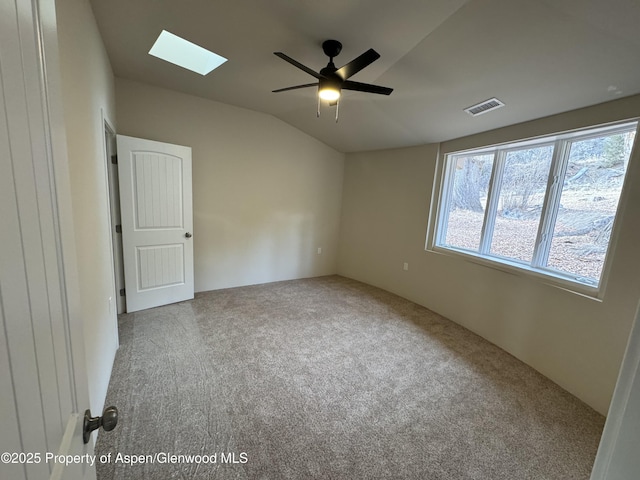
188,235
107,421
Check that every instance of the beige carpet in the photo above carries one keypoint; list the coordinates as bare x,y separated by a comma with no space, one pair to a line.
329,378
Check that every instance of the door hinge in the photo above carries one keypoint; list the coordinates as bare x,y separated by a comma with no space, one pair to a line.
123,292
114,159
118,228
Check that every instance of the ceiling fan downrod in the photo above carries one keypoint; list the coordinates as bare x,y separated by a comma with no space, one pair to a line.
331,49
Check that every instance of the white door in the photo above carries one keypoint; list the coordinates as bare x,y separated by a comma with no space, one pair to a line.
43,383
157,222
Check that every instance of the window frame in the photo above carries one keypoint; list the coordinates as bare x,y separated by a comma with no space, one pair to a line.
562,142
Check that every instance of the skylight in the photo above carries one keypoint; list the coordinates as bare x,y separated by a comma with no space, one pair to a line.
185,54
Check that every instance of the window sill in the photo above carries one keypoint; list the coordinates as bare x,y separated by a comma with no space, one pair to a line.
552,279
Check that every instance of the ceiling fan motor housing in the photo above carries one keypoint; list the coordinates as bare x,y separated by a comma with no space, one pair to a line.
331,48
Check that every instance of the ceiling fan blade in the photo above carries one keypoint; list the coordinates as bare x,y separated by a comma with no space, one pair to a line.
295,63
366,87
354,66
296,87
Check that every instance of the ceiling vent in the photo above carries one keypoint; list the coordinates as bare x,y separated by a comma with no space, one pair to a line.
484,107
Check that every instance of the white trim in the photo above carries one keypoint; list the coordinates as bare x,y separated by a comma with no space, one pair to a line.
436,192
549,213
493,198
106,125
517,142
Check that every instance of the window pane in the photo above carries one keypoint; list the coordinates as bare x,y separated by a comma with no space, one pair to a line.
468,201
524,184
590,194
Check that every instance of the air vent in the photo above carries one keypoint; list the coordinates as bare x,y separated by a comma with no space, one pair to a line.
484,107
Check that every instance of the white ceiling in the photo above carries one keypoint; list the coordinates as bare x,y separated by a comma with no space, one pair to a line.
540,57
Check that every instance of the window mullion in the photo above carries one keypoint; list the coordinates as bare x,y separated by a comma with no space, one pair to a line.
493,195
447,195
551,203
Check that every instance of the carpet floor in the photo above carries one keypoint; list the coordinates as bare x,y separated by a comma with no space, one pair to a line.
329,378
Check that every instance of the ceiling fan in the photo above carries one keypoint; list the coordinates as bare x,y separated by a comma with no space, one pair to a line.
332,80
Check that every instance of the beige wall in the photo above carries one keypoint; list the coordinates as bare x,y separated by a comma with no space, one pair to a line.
265,195
576,341
88,91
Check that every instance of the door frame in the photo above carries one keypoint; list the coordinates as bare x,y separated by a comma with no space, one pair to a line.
113,201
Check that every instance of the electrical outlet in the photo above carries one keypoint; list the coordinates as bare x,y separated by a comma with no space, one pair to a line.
111,305
319,250
406,266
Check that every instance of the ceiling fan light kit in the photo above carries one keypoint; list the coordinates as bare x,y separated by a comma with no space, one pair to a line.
332,80
328,90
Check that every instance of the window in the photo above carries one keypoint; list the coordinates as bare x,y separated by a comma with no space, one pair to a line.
546,205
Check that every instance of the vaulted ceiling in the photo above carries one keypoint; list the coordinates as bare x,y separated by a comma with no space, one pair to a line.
539,57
